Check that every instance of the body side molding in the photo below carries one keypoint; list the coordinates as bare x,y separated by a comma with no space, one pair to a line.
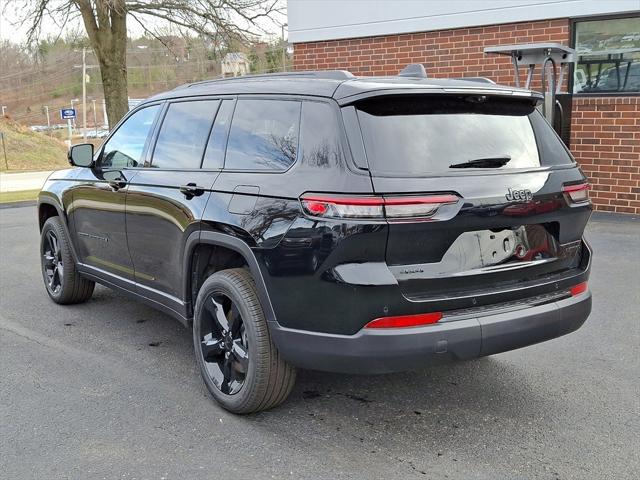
137,296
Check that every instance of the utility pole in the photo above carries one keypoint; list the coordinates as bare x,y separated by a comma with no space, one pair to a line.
84,68
84,94
284,49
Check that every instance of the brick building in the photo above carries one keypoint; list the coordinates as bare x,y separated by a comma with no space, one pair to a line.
449,37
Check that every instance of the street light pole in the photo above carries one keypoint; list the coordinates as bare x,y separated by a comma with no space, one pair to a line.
284,49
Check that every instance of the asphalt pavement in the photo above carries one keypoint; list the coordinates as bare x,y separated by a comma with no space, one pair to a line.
109,389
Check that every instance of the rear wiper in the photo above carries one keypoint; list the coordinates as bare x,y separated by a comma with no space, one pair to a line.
489,162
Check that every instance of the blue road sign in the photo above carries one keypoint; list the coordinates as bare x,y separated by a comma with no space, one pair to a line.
67,113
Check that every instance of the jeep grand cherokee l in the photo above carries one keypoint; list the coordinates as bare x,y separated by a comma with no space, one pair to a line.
324,221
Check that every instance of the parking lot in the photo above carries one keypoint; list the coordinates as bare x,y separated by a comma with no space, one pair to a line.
109,389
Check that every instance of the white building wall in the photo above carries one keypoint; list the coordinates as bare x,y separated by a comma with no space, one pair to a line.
314,20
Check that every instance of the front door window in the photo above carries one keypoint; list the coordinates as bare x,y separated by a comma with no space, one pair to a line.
125,147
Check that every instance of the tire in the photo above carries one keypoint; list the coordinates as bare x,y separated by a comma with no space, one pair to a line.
239,363
61,278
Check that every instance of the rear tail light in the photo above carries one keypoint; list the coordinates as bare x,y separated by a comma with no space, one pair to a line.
578,289
404,321
577,193
374,207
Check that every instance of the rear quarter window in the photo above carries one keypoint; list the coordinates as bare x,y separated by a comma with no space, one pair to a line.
263,135
319,136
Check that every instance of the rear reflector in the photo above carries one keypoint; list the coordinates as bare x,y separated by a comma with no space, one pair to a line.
403,321
578,289
577,193
374,207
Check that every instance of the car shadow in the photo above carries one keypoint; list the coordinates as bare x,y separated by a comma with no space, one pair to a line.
485,386
450,405
448,412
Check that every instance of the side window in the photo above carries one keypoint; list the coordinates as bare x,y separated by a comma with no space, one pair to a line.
214,156
124,148
319,135
183,135
263,135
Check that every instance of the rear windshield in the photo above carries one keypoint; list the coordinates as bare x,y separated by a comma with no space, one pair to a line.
428,134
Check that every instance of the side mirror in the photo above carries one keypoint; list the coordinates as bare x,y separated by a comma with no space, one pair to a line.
81,155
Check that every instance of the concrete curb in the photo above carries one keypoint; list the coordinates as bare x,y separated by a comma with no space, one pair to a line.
614,217
22,203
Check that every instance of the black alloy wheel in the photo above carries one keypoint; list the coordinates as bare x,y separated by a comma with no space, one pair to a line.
52,262
224,345
62,280
239,363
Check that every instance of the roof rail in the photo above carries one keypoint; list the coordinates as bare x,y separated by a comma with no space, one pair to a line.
321,74
478,79
414,70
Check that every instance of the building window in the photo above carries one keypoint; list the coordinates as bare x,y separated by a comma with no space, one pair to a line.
608,56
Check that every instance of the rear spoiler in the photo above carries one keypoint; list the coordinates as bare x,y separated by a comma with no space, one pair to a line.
515,93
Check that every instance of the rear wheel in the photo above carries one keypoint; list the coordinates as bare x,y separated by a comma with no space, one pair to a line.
239,363
61,279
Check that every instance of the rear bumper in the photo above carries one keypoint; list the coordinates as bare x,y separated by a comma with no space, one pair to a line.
392,350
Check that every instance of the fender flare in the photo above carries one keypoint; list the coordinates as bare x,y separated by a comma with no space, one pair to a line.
233,243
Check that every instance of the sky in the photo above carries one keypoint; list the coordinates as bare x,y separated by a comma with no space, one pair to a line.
11,28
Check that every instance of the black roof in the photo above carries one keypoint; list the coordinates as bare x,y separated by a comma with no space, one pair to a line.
338,84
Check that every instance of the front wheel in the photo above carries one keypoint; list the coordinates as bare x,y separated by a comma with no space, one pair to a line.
61,279
239,363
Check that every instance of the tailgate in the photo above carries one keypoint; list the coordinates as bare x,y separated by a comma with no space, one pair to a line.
514,223
486,243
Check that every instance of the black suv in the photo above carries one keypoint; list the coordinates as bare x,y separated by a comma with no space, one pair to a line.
324,221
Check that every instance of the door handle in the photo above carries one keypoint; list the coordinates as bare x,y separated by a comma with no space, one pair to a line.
117,183
191,190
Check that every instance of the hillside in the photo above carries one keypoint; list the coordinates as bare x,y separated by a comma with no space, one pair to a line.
27,150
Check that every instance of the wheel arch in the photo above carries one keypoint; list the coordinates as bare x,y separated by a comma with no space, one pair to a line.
217,239
47,208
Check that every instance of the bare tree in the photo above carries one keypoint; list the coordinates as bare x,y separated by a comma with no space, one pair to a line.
105,21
